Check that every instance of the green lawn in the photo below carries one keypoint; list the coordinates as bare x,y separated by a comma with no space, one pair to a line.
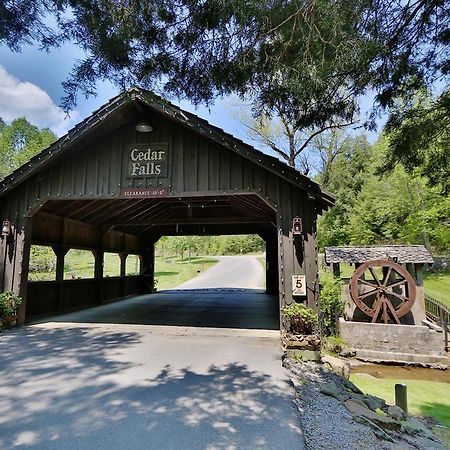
170,272
437,285
425,398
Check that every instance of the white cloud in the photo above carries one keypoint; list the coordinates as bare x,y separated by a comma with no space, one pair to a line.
21,98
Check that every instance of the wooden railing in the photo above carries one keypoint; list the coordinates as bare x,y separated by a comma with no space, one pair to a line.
440,313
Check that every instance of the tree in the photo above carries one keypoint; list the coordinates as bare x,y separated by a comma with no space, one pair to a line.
345,177
19,142
290,56
294,145
397,208
419,138
304,60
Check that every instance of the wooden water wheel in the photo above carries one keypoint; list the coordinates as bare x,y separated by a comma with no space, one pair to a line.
383,288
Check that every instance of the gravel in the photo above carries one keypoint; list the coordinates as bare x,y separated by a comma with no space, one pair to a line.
327,424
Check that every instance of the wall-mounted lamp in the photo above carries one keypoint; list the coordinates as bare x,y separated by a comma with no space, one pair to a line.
143,127
6,228
297,226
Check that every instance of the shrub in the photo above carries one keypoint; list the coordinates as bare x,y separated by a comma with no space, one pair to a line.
333,345
331,305
9,302
302,320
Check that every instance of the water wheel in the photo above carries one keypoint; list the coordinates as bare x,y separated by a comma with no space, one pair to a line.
383,288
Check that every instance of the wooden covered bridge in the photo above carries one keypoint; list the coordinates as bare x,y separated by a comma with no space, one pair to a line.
140,168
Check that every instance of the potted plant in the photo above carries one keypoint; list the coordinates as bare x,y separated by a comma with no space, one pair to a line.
301,337
9,302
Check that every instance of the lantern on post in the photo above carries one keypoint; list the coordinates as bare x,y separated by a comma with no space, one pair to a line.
6,228
297,227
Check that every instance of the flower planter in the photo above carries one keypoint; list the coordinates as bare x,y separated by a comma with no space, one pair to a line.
9,321
301,347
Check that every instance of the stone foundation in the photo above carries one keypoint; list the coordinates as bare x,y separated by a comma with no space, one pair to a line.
379,342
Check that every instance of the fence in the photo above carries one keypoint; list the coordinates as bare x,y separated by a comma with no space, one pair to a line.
440,313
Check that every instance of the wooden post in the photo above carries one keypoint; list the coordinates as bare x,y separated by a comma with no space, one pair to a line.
60,253
21,268
148,268
419,274
336,270
98,273
401,397
272,265
123,271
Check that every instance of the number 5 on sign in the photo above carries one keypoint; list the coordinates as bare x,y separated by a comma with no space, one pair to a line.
298,285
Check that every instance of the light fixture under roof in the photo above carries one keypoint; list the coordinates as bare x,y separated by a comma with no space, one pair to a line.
143,127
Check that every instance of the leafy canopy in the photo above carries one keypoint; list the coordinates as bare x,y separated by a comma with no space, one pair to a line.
19,142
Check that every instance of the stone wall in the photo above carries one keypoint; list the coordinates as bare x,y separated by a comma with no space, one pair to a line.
399,343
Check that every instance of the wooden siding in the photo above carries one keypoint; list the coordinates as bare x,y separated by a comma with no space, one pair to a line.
196,167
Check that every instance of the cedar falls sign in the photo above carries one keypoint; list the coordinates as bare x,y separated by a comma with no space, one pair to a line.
147,160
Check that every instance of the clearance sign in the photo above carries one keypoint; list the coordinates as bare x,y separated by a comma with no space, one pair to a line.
147,160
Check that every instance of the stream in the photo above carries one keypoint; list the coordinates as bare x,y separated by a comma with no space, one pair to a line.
403,372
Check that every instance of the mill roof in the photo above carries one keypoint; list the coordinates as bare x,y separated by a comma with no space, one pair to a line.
401,253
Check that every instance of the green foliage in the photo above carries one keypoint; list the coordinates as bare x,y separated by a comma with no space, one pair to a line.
19,142
302,320
332,344
9,302
419,138
437,285
399,207
210,245
42,259
331,305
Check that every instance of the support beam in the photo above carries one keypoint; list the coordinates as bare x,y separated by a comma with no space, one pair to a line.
60,252
148,268
272,264
98,272
193,221
21,267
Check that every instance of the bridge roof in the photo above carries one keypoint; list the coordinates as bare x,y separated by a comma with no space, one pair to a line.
116,111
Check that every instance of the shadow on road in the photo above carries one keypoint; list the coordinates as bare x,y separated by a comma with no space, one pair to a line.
216,308
66,388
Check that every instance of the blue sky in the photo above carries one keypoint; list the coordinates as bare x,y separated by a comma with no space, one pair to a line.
30,86
32,73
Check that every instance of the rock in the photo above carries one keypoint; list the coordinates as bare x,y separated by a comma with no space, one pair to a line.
303,355
349,385
347,353
364,413
338,365
332,390
371,401
414,426
396,413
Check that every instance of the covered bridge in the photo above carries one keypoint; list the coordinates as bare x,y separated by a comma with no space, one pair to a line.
140,168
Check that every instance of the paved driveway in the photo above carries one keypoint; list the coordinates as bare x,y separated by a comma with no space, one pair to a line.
74,386
230,272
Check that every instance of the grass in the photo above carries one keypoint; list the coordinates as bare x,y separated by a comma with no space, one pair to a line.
425,398
171,272
437,285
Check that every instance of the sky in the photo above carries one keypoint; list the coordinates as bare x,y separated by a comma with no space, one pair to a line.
31,86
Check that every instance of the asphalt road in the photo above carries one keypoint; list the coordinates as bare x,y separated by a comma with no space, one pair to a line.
109,378
230,272
68,386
